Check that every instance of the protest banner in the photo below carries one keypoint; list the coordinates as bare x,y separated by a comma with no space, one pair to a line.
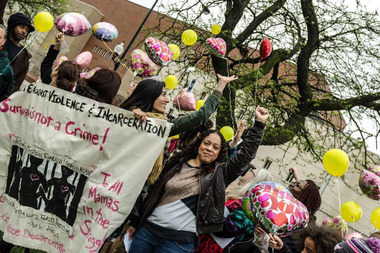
71,168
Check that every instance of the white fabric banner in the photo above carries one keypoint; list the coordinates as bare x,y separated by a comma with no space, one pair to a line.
70,168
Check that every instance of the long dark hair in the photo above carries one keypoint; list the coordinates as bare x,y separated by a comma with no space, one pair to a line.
311,197
68,75
191,151
102,86
143,97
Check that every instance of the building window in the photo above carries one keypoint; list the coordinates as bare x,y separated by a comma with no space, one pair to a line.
109,55
104,53
267,163
99,50
94,49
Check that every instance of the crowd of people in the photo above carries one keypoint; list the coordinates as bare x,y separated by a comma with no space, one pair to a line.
196,185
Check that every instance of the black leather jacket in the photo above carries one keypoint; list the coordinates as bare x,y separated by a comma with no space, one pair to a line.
213,184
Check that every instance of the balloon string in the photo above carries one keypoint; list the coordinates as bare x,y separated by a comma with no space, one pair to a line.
117,58
257,78
230,98
22,49
47,44
337,182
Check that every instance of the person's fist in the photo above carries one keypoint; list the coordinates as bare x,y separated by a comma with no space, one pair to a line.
262,114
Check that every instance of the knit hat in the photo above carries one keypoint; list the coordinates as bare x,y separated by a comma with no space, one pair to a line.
20,19
356,245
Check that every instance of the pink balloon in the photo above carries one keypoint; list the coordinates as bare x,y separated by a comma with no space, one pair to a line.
72,24
337,223
369,183
273,207
185,101
217,46
354,234
89,74
158,51
83,59
142,65
59,61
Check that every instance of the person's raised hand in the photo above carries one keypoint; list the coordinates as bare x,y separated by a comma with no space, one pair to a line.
59,39
238,134
223,81
262,114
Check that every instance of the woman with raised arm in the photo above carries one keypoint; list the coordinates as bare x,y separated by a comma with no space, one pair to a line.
188,198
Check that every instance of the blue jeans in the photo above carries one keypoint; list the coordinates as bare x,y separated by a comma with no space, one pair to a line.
147,242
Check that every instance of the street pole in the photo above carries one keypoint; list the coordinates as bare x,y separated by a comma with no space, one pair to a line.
327,183
134,37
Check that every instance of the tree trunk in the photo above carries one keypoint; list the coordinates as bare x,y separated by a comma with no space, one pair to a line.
3,4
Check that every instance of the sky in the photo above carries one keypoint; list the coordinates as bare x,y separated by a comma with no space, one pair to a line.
371,5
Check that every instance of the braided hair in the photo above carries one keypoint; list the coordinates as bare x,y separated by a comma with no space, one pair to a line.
310,197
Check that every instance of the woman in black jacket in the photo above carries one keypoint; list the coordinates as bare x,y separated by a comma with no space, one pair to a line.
188,198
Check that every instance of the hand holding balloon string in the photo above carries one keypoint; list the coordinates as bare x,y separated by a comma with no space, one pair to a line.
237,136
223,81
275,242
59,39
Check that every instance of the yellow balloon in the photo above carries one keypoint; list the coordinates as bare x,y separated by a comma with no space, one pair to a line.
227,132
189,37
176,51
335,162
216,29
375,218
171,82
351,211
43,21
199,104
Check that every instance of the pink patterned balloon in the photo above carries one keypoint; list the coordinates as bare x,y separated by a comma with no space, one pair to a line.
274,208
353,234
337,223
83,59
72,24
89,74
186,101
375,169
142,65
217,46
158,51
369,183
59,61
